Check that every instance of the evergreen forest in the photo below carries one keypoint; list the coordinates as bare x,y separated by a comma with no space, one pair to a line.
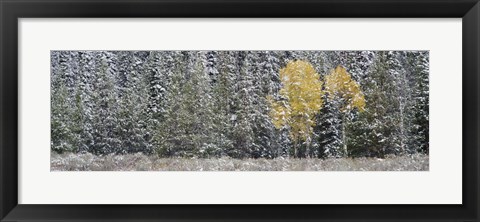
240,104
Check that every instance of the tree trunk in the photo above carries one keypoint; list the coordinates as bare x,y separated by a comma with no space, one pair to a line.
307,149
344,137
295,149
402,131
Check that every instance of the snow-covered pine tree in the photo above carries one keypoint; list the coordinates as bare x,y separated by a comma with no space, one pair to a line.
211,66
155,86
65,121
243,135
187,129
165,103
417,113
328,129
61,135
376,131
132,105
286,56
67,66
403,90
84,105
359,63
104,99
268,84
223,99
398,95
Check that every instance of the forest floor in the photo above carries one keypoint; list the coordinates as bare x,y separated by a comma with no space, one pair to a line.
140,162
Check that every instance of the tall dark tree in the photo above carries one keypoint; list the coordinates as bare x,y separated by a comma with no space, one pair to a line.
418,110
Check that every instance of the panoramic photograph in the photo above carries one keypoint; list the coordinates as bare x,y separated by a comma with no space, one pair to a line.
239,111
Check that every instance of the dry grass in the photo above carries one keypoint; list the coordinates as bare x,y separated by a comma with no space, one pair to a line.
140,162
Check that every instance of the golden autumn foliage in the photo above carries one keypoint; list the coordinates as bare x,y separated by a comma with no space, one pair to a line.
339,84
302,94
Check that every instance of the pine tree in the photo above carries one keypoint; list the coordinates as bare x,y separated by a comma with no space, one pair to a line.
132,106
211,66
268,83
418,109
104,99
327,137
84,104
187,130
65,122
61,135
243,129
376,130
223,96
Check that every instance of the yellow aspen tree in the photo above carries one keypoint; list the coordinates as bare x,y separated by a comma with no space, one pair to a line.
301,99
340,86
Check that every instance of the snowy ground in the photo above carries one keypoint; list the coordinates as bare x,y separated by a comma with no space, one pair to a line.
140,162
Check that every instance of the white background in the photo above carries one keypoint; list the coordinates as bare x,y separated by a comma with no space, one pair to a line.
440,185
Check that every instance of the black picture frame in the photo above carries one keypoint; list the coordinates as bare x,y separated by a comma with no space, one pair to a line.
12,10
